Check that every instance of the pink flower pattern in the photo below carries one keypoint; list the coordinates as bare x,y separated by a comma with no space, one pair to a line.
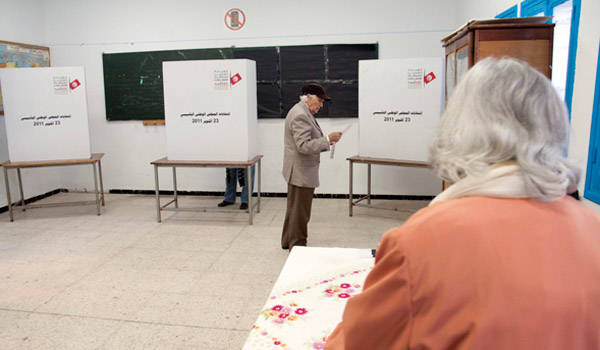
285,313
342,291
276,341
301,311
318,344
281,314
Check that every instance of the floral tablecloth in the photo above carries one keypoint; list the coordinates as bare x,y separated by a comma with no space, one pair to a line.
308,298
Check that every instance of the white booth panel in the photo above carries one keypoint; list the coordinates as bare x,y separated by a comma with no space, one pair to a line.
399,107
210,110
46,113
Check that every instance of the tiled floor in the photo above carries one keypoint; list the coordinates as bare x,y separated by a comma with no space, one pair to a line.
70,279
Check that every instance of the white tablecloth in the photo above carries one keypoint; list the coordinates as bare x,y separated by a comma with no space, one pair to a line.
308,298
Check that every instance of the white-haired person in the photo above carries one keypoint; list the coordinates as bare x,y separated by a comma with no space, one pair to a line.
503,258
304,141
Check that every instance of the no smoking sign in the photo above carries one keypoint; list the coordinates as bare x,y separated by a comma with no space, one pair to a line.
235,19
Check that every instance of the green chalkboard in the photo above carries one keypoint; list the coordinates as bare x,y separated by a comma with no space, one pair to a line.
134,91
133,87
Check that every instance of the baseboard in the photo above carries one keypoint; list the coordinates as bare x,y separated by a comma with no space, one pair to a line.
220,194
272,194
36,198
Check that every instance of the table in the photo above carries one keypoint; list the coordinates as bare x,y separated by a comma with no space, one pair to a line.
174,164
369,162
309,297
94,160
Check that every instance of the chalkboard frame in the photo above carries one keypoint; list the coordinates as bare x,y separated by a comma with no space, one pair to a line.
133,80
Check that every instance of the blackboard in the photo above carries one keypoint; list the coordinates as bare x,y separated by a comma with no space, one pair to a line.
133,80
133,88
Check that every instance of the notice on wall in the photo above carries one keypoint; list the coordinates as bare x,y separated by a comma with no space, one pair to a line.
399,107
46,113
210,109
205,117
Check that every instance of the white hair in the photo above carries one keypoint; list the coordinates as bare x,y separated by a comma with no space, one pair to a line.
504,110
305,97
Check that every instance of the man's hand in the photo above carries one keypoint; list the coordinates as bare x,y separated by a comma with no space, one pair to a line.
335,136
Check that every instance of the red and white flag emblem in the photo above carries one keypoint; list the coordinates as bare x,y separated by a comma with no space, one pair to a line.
236,79
74,84
429,78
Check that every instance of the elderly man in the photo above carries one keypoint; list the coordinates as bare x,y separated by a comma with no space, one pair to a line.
304,142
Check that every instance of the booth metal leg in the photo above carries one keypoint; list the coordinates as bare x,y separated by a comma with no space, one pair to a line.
259,189
249,180
157,193
369,186
175,187
21,188
350,190
96,189
10,213
101,182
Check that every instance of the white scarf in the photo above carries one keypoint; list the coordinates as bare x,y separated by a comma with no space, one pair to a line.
503,182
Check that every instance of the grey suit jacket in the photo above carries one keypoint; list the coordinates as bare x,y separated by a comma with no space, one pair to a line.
304,142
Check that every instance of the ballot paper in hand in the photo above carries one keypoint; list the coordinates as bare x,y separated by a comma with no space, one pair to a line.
332,152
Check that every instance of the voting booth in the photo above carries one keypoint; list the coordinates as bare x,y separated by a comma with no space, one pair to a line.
210,110
399,107
45,113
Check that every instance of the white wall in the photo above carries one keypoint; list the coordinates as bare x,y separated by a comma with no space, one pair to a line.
111,26
24,22
585,70
472,9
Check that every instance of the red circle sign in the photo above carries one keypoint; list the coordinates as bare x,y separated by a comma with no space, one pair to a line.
235,19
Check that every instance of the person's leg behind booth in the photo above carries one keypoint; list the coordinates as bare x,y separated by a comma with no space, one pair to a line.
231,176
244,194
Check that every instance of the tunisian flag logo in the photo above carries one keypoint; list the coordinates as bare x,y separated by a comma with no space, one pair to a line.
236,79
429,78
74,84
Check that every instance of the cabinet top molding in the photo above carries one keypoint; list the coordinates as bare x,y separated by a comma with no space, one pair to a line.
494,24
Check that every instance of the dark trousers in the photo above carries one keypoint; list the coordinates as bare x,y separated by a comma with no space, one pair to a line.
297,215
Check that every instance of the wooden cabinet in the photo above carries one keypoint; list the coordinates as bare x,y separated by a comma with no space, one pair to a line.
528,39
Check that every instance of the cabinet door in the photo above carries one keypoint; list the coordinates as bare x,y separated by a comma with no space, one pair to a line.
450,73
462,62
